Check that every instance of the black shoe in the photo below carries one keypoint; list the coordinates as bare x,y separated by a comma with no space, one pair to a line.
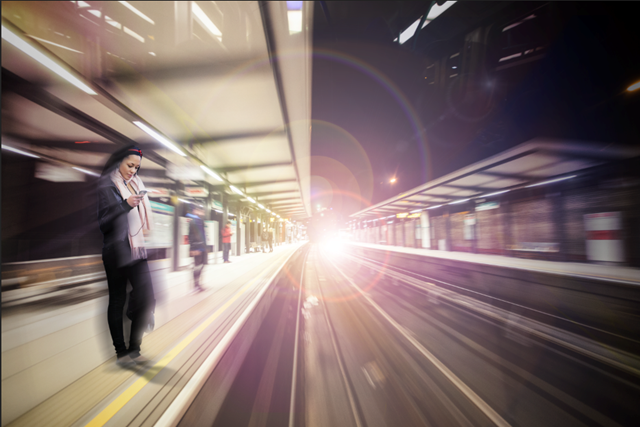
125,362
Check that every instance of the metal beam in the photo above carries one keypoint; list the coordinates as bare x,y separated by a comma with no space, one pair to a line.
268,193
225,138
269,32
43,98
259,183
183,71
250,167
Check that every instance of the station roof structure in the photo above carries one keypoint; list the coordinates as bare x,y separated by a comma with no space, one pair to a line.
530,164
224,86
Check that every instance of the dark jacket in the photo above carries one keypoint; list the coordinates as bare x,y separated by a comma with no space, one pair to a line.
197,238
112,217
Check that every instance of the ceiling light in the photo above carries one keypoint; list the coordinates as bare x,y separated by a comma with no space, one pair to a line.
184,201
52,43
261,207
433,207
15,150
495,194
251,199
294,16
210,172
205,21
551,181
27,48
235,190
86,171
458,201
134,34
159,137
112,22
137,12
417,210
409,31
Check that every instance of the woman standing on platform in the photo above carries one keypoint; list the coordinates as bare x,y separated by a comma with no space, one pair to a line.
124,214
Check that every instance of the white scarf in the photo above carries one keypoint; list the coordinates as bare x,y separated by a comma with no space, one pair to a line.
140,218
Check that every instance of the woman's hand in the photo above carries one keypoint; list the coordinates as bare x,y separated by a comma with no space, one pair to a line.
134,200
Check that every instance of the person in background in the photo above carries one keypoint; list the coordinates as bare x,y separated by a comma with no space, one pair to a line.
265,239
124,215
226,242
198,244
271,235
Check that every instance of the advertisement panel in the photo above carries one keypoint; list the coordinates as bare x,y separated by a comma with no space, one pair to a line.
604,237
161,234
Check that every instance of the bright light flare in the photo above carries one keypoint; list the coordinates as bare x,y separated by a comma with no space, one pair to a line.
392,180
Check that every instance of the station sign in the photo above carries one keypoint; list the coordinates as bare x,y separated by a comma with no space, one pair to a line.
488,205
198,192
215,204
402,215
157,193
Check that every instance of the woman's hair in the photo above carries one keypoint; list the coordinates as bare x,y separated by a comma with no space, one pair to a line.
117,157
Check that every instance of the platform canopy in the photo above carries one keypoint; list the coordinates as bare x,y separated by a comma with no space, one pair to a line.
531,164
228,84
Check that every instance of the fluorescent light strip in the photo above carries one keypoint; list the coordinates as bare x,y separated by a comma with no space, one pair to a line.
15,150
437,10
235,190
416,211
436,206
251,199
495,194
25,47
551,181
137,12
134,34
159,137
210,172
458,201
184,201
409,31
53,44
113,23
205,21
261,207
86,171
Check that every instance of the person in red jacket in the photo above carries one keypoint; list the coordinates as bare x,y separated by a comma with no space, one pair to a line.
226,242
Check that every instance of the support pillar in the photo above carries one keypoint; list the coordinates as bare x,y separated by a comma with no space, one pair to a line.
559,224
447,231
179,212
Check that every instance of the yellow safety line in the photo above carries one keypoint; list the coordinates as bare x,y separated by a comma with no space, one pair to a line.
103,417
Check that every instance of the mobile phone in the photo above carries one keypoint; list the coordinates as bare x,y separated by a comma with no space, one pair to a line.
142,193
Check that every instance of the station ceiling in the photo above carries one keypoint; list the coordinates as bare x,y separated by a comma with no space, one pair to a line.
227,83
537,162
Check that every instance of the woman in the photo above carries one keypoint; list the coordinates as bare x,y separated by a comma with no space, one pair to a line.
124,214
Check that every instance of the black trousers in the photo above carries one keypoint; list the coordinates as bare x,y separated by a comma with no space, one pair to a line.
141,300
197,269
226,247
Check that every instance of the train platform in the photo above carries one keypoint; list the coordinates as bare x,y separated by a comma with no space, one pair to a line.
615,273
58,359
